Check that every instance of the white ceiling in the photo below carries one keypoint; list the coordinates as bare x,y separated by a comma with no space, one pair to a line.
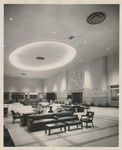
32,23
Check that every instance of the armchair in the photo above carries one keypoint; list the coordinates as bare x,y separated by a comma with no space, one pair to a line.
15,115
86,106
88,118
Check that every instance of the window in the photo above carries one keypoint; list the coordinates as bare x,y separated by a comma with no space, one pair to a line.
115,93
6,96
16,96
33,96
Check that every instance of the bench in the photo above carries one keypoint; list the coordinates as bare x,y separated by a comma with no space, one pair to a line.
72,123
54,126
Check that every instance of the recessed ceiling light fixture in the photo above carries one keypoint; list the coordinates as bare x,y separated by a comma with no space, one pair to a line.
40,58
11,18
96,18
23,74
107,49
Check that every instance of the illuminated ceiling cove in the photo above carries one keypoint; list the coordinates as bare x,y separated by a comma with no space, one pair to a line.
54,55
44,40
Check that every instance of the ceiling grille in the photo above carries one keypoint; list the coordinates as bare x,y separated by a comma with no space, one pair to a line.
96,18
71,37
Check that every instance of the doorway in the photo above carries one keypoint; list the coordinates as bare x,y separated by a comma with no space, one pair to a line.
77,97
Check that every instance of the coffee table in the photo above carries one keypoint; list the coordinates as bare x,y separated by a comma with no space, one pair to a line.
74,122
54,126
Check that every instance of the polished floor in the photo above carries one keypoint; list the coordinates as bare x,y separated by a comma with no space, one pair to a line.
105,132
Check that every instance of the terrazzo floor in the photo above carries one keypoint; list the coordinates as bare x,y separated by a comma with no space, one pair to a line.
105,132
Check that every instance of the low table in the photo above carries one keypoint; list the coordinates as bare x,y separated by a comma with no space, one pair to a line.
72,123
54,126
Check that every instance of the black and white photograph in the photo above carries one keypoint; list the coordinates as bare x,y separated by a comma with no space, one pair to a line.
60,84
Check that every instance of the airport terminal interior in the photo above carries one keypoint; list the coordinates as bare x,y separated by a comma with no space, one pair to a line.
61,75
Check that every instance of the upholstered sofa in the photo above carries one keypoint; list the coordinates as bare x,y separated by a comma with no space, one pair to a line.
74,108
23,118
37,122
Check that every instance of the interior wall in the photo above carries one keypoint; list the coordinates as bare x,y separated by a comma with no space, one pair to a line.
92,79
112,76
62,86
113,69
95,81
50,84
57,84
96,74
22,85
76,78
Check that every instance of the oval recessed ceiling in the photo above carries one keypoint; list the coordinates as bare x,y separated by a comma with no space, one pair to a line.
27,56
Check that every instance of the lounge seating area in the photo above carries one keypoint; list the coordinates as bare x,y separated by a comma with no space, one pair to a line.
37,121
57,107
73,121
61,72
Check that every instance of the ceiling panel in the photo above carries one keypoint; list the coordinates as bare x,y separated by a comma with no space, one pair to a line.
32,23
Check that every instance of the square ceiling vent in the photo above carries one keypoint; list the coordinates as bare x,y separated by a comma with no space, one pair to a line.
71,37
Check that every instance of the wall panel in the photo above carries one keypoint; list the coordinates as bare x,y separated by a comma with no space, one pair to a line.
22,85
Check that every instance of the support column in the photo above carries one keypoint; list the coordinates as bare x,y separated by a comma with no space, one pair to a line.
109,95
28,96
24,96
38,96
9,95
67,84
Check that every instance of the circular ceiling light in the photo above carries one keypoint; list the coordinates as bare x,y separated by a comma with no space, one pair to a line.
23,74
40,58
96,18
45,49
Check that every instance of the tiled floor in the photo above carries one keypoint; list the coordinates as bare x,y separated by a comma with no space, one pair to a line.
104,134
